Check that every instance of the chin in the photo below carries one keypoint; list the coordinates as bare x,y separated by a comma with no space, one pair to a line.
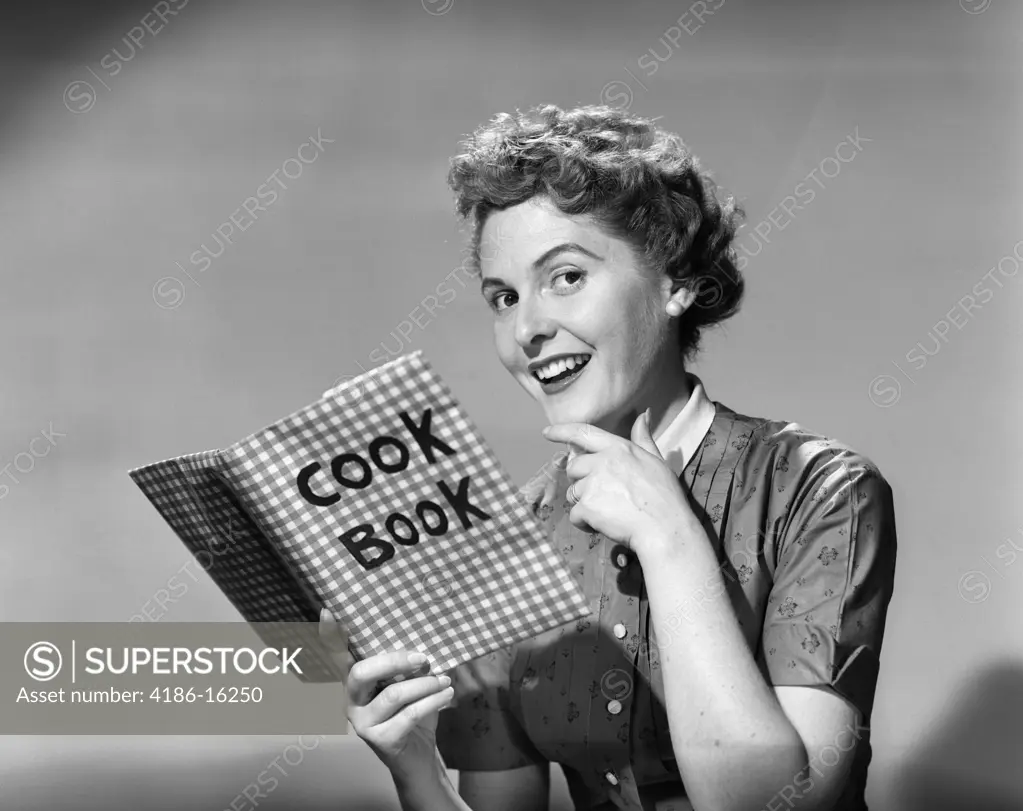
572,413
578,407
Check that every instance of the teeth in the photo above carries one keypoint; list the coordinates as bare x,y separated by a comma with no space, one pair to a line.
559,366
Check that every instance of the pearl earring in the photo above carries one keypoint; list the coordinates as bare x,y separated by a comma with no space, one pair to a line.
673,308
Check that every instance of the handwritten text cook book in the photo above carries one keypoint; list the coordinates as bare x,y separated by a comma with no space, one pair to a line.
382,502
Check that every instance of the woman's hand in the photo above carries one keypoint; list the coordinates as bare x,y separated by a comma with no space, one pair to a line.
621,488
398,721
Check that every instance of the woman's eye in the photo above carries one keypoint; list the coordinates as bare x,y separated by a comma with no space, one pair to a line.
495,302
571,278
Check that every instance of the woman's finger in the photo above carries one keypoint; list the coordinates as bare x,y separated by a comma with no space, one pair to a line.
334,637
364,675
395,697
331,632
397,728
582,465
577,517
586,437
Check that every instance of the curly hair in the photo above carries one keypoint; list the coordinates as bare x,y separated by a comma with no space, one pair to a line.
635,180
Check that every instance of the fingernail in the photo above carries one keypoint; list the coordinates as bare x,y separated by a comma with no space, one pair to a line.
416,658
444,680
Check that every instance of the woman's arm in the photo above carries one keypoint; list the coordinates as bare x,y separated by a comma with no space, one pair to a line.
733,743
430,790
734,746
784,738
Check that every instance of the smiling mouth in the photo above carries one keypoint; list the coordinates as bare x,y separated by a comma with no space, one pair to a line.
564,371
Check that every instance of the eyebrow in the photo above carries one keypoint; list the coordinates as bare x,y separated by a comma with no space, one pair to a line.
546,256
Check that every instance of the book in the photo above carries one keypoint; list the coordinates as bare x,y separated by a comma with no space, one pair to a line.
382,502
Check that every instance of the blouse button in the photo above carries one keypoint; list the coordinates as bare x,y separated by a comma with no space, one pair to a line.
621,560
614,706
619,631
611,778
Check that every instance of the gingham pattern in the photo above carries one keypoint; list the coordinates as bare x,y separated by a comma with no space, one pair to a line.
457,596
205,515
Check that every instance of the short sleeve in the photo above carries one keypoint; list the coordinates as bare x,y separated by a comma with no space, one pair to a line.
833,579
478,732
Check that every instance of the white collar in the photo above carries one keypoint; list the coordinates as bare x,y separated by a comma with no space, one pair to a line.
683,435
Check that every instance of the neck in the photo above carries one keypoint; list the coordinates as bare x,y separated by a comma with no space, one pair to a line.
666,396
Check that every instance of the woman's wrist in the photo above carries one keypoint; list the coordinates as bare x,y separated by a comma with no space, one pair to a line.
426,787
414,774
682,539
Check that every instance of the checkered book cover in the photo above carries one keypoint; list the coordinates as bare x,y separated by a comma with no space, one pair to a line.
381,501
192,498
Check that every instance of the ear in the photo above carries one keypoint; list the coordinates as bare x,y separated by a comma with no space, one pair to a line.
684,298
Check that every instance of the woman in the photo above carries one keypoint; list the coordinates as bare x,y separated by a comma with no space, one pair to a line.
739,569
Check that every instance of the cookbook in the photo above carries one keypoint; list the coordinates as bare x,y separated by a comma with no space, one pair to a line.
382,502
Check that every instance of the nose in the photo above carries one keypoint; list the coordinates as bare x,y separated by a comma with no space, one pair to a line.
532,323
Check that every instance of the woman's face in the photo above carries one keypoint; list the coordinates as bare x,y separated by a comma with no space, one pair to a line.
561,289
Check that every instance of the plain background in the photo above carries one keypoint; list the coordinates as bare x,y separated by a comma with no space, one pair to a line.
100,204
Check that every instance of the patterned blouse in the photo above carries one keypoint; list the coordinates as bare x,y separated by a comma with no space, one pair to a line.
804,528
